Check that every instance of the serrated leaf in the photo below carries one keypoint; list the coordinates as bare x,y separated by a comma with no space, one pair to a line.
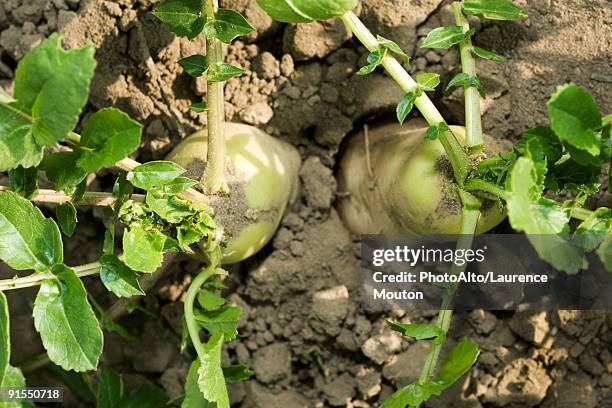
195,65
237,372
143,250
18,146
428,81
28,240
199,107
305,11
48,75
62,170
154,174
209,300
66,322
168,207
24,181
574,117
108,136
223,321
374,59
178,185
393,47
193,396
420,331
463,79
493,9
223,72
118,278
405,106
444,37
110,389
5,337
183,17
210,375
490,55
227,25
66,218
144,396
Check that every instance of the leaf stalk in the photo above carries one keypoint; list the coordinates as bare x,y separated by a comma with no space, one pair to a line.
36,279
96,199
190,321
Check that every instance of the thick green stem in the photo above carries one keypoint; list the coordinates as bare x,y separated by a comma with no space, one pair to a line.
473,123
36,279
89,198
481,185
456,153
192,293
214,177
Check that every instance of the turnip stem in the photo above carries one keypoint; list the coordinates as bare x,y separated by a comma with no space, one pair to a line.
214,176
456,153
95,199
192,293
473,123
487,187
36,279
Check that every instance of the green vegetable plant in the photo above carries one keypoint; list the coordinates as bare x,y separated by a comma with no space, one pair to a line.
481,184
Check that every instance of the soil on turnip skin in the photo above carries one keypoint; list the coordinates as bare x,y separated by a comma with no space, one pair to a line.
304,333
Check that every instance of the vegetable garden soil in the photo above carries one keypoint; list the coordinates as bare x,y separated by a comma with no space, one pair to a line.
304,333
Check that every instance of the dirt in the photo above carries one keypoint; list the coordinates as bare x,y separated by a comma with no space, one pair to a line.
303,332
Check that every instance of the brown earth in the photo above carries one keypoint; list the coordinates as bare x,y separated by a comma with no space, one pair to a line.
304,334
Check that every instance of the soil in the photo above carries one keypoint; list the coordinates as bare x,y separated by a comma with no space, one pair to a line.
303,332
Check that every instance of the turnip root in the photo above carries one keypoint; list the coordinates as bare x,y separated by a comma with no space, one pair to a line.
410,187
262,176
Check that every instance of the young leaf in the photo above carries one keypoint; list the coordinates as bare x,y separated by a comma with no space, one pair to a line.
118,278
154,174
66,217
143,250
374,59
144,396
178,185
458,361
183,17
490,55
169,207
13,378
110,389
305,11
463,79
592,231
28,239
209,300
210,375
223,72
237,372
109,136
223,321
61,169
24,181
48,74
574,116
66,322
195,65
411,395
393,47
5,337
405,106
428,81
18,146
193,396
199,107
444,37
227,25
493,9
433,132
420,331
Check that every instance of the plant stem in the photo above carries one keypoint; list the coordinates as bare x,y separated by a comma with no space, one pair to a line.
481,185
96,199
192,293
214,176
456,153
473,123
37,278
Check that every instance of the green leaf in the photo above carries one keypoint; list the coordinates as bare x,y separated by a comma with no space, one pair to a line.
154,174
79,191
463,79
444,37
24,181
428,81
144,396
118,278
28,240
62,170
52,85
594,229
493,9
574,116
374,59
66,217
434,132
393,47
14,378
210,375
237,372
66,322
110,389
227,25
420,331
178,185
18,146
223,72
5,337
209,300
458,361
605,253
77,382
143,250
223,321
305,11
411,395
168,207
193,396
405,106
183,17
199,107
195,65
108,136
490,55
